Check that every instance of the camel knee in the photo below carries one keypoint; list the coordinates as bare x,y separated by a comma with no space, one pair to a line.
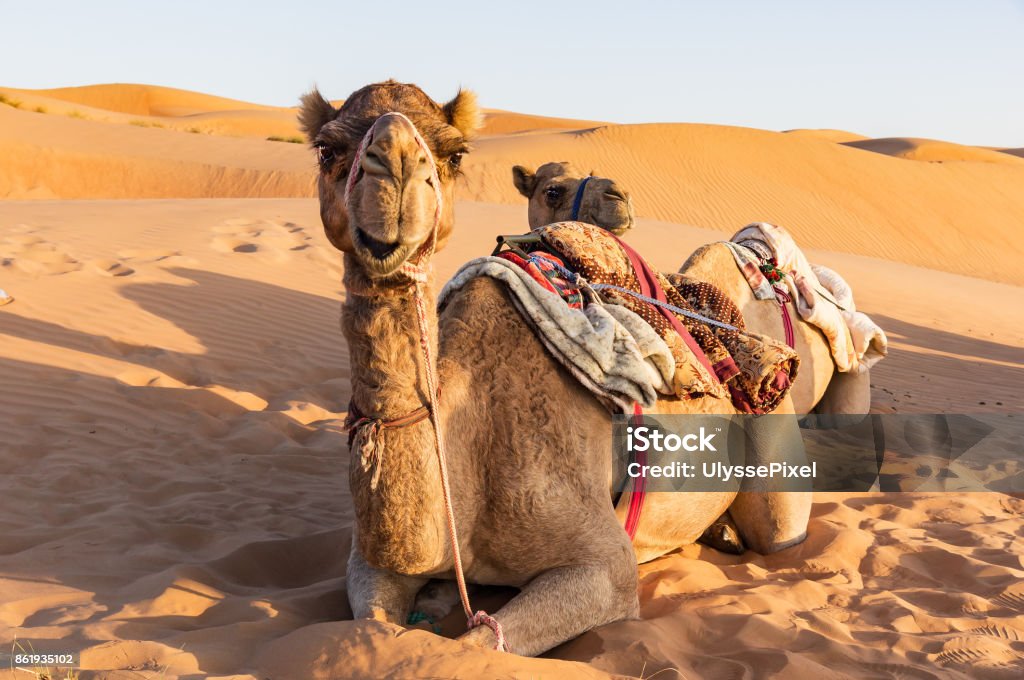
772,521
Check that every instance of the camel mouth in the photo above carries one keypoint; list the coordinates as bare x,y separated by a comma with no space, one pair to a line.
379,249
618,226
379,257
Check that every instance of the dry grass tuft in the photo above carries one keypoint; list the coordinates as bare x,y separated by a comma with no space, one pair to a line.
4,99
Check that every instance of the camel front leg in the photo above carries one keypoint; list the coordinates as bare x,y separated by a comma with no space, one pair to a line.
562,603
379,594
847,400
769,518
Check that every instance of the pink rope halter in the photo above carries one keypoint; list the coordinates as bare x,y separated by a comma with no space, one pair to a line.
419,273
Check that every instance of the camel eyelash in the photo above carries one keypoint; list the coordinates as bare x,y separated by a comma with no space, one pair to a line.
325,154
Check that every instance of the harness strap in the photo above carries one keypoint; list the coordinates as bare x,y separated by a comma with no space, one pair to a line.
787,320
650,287
356,419
578,200
638,492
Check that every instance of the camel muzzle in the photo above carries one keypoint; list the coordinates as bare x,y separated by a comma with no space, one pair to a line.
380,155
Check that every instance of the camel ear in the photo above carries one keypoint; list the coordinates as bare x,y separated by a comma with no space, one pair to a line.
464,114
314,113
525,180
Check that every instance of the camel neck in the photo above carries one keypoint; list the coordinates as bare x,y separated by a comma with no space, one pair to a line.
388,382
382,328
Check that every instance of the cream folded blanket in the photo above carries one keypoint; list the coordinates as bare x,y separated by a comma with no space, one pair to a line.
856,342
611,350
869,341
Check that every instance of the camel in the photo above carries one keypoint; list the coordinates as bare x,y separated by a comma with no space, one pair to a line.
528,455
609,205
553,191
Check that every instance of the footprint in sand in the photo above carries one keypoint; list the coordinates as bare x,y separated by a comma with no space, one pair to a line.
276,239
24,250
128,260
979,653
111,268
1012,598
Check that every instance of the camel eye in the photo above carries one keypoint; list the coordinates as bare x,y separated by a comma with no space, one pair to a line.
554,193
455,160
325,155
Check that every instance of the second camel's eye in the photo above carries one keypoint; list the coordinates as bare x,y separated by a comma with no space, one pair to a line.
455,160
554,193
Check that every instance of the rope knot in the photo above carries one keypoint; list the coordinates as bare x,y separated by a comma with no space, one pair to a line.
368,443
415,272
482,618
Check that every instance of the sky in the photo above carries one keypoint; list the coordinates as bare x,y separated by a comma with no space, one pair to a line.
944,69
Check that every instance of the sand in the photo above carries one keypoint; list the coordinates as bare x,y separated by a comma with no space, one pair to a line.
173,379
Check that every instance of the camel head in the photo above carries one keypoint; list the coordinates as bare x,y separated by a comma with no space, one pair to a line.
392,207
553,190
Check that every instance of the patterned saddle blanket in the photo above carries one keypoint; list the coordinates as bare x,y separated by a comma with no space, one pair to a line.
586,264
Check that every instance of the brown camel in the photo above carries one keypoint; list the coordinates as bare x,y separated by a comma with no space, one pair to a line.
553,189
528,447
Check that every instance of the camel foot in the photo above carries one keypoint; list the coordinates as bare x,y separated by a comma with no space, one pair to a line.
379,594
723,535
481,636
437,599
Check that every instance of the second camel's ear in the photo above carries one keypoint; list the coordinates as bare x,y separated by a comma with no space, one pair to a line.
525,180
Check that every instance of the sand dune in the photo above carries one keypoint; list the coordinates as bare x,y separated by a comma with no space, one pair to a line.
960,217
838,136
145,100
172,383
59,157
162,107
497,122
931,150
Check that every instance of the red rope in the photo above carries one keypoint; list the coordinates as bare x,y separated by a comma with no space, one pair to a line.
638,492
787,321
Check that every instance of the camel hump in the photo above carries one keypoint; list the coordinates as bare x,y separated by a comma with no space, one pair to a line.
710,262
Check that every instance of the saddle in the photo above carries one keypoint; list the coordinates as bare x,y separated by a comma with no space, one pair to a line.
715,355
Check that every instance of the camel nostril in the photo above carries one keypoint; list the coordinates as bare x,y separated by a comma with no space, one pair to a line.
374,164
616,194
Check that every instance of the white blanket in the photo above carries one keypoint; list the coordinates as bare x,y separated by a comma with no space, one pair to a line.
869,341
857,343
609,349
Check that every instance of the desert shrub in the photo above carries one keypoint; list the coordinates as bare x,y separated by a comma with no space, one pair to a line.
4,99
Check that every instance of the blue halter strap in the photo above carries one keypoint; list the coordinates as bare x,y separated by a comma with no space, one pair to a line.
579,198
